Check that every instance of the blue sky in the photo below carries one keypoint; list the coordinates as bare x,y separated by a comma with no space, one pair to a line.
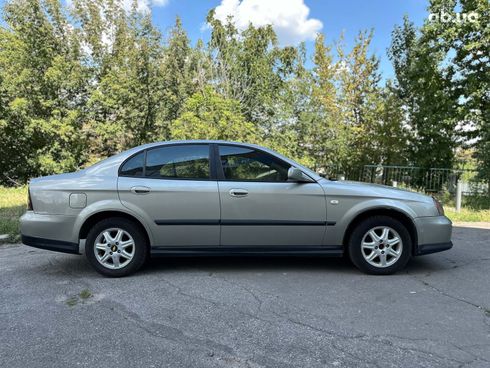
296,20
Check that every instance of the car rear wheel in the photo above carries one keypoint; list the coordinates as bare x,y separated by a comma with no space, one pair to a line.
380,245
116,247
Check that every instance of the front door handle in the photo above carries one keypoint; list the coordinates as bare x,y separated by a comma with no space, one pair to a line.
238,192
140,190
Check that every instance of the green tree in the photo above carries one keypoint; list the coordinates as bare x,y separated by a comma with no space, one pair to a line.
126,91
288,132
467,48
424,84
360,102
43,86
81,85
208,115
251,68
177,76
325,126
390,133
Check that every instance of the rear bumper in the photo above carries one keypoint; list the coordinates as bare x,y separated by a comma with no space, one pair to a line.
51,232
50,244
56,227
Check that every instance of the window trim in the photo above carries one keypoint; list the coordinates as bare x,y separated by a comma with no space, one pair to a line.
221,172
215,167
211,162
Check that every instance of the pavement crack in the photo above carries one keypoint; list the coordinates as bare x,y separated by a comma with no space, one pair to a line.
282,318
160,330
446,294
212,302
176,335
249,291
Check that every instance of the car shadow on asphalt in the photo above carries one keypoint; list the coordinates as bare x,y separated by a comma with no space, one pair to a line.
79,266
248,263
464,239
416,266
420,266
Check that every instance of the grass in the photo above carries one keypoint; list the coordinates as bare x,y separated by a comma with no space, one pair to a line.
13,203
84,295
72,301
467,215
473,209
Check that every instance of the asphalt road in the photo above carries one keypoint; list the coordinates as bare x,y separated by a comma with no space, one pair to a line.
250,312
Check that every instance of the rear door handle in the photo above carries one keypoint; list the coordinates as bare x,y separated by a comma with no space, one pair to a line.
238,192
140,190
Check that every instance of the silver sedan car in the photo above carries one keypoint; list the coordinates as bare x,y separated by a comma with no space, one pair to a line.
225,198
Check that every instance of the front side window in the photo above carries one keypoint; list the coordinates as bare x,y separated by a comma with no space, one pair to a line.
178,162
247,164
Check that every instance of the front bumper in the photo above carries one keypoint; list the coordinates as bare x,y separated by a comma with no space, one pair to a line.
434,234
433,248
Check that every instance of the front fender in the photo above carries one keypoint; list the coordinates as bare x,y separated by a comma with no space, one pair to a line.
346,211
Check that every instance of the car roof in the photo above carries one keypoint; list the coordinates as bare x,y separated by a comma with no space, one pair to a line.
199,141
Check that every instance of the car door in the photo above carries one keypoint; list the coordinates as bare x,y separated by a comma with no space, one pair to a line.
172,188
260,207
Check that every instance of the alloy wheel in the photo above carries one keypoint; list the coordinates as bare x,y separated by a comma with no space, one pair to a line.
114,248
381,246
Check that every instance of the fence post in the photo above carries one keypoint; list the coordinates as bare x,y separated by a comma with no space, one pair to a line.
459,192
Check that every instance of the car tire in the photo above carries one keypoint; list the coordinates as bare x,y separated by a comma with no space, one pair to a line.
116,247
373,247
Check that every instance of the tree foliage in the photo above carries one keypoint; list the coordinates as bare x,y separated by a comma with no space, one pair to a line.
424,86
208,115
83,82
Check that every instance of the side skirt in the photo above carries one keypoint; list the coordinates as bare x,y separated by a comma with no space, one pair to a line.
191,251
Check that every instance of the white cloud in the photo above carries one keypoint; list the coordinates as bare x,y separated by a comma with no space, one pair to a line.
143,6
289,18
160,2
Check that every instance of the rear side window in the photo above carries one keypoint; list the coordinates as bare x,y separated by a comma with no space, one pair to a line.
247,164
134,166
179,162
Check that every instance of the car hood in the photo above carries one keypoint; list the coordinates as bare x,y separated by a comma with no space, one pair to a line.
370,190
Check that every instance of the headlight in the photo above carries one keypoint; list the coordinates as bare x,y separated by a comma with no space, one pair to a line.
439,207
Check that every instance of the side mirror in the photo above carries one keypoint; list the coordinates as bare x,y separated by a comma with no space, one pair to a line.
295,174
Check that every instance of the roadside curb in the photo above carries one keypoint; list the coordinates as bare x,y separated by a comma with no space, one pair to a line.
478,225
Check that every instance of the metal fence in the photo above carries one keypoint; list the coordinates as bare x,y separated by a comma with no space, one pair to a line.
432,180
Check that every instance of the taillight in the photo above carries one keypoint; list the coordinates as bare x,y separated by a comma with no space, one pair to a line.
29,201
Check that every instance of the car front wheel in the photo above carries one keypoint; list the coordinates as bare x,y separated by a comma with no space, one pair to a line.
380,245
116,247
